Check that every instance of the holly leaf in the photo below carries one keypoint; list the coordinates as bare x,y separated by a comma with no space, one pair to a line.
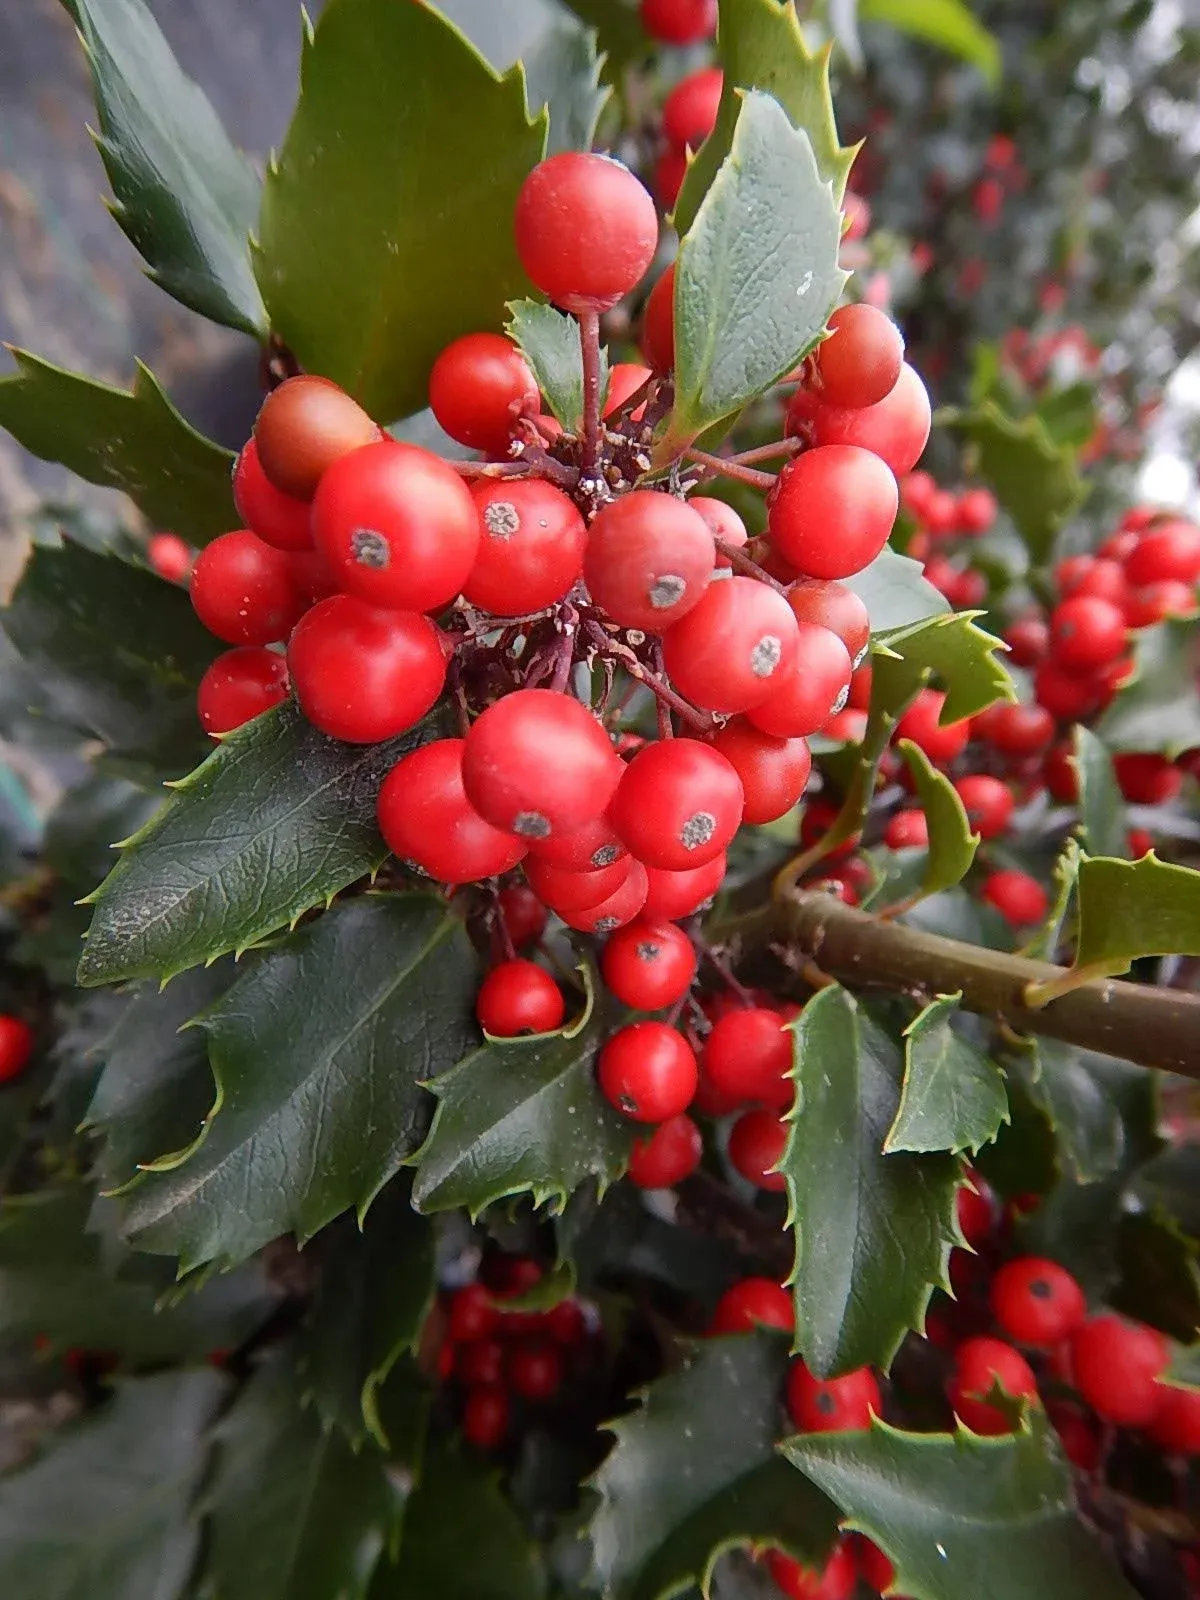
694,1472
562,73
132,440
757,274
761,46
293,1512
184,196
523,1116
376,1287
359,225
1044,944
1171,1182
189,887
872,1231
958,1514
1158,708
949,24
1103,824
549,341
953,1096
896,592
952,845
319,1096
967,662
1070,414
1080,1106
105,1510
1129,909
619,27
1160,1276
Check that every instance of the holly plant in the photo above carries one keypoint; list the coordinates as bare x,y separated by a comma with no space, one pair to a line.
637,1039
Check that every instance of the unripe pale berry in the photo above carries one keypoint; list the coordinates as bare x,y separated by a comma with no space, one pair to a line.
304,426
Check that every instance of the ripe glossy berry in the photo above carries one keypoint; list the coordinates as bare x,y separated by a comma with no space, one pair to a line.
1086,632
1116,1365
625,378
649,965
169,557
480,385
523,914
1103,580
774,771
987,802
16,1047
832,510
907,830
243,591
756,1143
647,1071
747,1057
1077,1433
239,685
621,906
669,172
977,510
535,1368
481,1361
980,1365
690,110
832,1405
860,361
1154,601
734,647
942,742
472,1315
834,1581
678,804
397,526
723,522
519,997
538,763
586,230
976,1209
587,849
1146,778
896,428
668,1155
485,1416
670,895
658,323
1018,898
825,603
304,426
873,1565
1016,730
814,687
532,540
275,517
1028,640
679,21
649,560
1176,1427
566,1322
362,674
425,817
1036,1301
564,889
1171,550
751,1303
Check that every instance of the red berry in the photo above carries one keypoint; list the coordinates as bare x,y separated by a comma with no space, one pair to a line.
774,772
942,742
481,1361
832,510
586,230
976,1209
1077,1433
860,361
1065,695
243,591
519,997
311,575
669,172
987,802
538,763
690,110
752,1303
1085,632
485,1416
917,490
826,603
566,1323
239,685
531,546
723,523
1018,898
813,689
480,385
670,895
587,849
625,378
1170,550
907,830
1017,730
1176,1427
472,1315
621,906
425,817
896,428
1037,1302
647,1071
1147,779
304,426
1116,1365
362,674
169,557
649,560
977,510
564,889
874,1567
658,323
678,804
1028,640
835,1581
276,518
16,1047
747,1057
734,647
679,21
535,1368
668,1155
979,1366
649,965
832,1405
523,914
1103,580
1156,601
756,1144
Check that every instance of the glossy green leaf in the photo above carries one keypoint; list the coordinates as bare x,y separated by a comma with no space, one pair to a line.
949,24
896,592
952,844
872,1232
186,198
1045,943
359,225
694,1471
1129,909
104,1512
1160,1275
1102,820
953,1096
1036,480
549,341
1158,709
1070,414
757,274
319,1051
959,1515
1080,1106
967,661
132,440
1171,1182
189,887
761,45
562,73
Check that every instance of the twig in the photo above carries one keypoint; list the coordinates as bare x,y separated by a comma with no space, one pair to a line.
589,339
723,467
741,562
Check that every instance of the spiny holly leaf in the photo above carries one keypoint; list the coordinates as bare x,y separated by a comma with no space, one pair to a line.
189,887
105,1511
1129,909
1036,480
896,592
132,440
1160,1275
1076,1225
960,1515
761,46
1070,414
319,1075
757,274
376,1286
953,1096
965,659
294,1513
1158,708
1080,1106
562,73
185,196
1044,944
952,844
1024,1158
872,1232
949,24
549,341
359,225
523,1116
1102,819
694,1472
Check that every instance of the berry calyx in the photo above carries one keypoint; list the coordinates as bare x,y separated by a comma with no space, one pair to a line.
586,230
668,1155
832,1405
479,387
304,426
362,674
678,804
239,685
753,1303
1037,1302
647,1071
649,965
649,560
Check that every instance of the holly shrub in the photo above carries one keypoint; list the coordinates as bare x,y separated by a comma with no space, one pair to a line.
645,1048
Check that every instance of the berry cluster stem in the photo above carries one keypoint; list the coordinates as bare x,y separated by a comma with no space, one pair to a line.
589,339
728,467
741,562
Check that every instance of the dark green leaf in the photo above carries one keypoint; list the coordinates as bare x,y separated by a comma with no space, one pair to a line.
967,661
1024,1158
1070,414
359,225
186,198
694,1472
757,274
873,1232
949,24
896,592
1044,944
1080,1106
190,886
960,1515
319,1051
105,1511
1160,1275
134,441
952,844
549,341
1158,709
562,73
1076,1225
1129,909
953,1096
622,37
1172,1182
1103,823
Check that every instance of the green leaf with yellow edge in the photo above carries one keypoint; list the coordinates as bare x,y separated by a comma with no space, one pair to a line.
1158,709
359,225
761,45
872,1231
1102,819
953,1096
1130,909
961,1515
549,341
128,439
949,24
695,1471
952,844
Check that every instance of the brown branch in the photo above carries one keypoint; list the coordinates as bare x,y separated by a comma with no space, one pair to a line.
589,340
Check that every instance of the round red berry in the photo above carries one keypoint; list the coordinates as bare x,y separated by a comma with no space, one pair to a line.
1068,696
679,21
1116,1365
751,1303
16,1047
813,687
566,1322
621,906
977,510
907,830
1170,550
1077,1433
243,590
586,849
169,557
747,1057
1155,601
276,518
658,323
1086,632
481,1361
649,560
668,1155
564,889
1176,1426
472,1315
426,818
1016,730
485,1416
239,685
987,802
942,742
647,1071
304,426
480,385
734,647
519,997
980,1365
860,361
1028,640
834,1581
1037,1302
535,1368
825,603
586,230
832,510
1018,898
362,674
976,1208
1146,778
896,428
649,965
774,771
724,524
523,914
832,1405
678,804
670,895
531,547
756,1144
690,110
